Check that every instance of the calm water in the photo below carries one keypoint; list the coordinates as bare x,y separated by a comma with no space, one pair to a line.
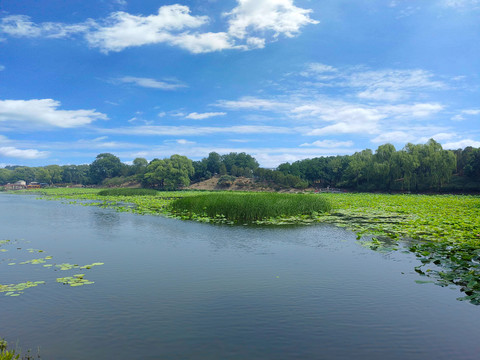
183,290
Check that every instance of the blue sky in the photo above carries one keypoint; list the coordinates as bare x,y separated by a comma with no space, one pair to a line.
282,80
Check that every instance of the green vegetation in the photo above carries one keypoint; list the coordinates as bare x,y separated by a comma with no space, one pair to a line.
249,207
47,262
168,174
6,354
415,168
127,192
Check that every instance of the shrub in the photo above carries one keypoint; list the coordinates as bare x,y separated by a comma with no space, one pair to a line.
226,181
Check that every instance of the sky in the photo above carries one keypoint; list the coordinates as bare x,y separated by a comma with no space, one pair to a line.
282,80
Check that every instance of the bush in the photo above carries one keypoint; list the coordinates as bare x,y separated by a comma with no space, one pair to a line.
226,181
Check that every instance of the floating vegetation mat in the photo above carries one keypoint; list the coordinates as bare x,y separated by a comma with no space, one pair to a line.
19,288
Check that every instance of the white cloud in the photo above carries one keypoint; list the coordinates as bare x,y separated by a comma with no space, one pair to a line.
461,144
201,116
278,16
151,83
377,85
393,137
120,2
45,112
248,25
461,116
184,142
329,144
198,130
204,42
22,26
382,95
459,4
10,151
121,30
417,135
471,112
319,68
252,103
412,111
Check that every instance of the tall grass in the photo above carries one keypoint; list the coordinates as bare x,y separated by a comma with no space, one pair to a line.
128,192
250,206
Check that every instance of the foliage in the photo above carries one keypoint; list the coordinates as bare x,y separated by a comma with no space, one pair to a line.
250,206
118,181
168,174
105,166
414,168
278,179
6,354
128,192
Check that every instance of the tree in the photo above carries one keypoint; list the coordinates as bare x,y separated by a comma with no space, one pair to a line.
56,173
105,166
43,175
169,174
23,173
214,161
201,173
5,176
472,164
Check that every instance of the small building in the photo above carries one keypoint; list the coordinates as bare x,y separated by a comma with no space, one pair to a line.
34,185
19,185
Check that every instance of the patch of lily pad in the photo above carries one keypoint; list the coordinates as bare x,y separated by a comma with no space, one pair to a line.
15,290
75,280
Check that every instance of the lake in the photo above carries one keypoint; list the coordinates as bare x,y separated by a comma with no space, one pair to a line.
172,289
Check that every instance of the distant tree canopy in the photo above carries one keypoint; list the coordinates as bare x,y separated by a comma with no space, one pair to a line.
416,167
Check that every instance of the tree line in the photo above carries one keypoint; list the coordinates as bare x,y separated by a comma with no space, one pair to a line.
415,168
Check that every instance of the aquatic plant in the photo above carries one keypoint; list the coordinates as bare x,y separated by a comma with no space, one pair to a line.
248,207
128,192
6,354
15,290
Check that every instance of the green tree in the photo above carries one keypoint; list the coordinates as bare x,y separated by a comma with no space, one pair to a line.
169,174
214,161
5,176
105,166
23,173
43,175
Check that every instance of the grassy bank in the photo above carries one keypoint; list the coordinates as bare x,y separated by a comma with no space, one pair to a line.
249,207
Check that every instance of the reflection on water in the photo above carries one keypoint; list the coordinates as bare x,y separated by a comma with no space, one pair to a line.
183,290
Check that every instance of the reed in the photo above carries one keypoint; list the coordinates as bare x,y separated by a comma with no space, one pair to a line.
250,206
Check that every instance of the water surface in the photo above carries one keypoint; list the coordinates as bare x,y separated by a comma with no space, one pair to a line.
172,289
